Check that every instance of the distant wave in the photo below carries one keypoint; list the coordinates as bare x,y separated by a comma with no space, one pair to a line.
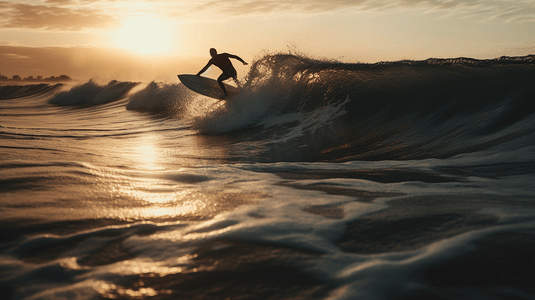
21,91
92,93
158,97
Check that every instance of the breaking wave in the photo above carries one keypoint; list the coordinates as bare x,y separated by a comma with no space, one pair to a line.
92,93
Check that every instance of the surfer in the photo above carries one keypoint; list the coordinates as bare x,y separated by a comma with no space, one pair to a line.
222,61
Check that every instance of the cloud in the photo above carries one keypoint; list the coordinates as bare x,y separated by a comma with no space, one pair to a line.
503,10
16,56
48,17
517,14
499,10
241,7
75,15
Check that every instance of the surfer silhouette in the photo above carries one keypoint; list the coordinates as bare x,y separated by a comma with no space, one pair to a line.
222,61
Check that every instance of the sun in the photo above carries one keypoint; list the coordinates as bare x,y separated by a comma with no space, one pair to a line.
144,35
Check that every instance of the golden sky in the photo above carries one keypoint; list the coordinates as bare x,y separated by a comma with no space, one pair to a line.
155,40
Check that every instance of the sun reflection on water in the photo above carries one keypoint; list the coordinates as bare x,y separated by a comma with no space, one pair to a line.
153,202
154,177
146,269
148,155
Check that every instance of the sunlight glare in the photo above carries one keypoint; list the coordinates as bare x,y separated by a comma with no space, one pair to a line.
147,156
144,35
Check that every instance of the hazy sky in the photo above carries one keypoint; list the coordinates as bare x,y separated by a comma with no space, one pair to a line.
157,39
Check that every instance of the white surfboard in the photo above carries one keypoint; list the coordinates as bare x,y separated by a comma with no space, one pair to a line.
207,86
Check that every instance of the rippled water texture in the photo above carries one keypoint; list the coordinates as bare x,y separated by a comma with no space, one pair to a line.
320,180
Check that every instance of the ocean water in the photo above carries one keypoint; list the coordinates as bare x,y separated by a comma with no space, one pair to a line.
320,180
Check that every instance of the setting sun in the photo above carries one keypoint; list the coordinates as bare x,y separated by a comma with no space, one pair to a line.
144,35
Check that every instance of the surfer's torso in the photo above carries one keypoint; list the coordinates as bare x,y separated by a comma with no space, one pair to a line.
222,61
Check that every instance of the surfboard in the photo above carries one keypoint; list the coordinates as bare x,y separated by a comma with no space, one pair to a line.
207,86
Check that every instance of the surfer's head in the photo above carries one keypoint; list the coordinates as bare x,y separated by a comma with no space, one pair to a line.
213,52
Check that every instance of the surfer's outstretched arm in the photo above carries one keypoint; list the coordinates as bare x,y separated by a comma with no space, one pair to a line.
205,68
238,58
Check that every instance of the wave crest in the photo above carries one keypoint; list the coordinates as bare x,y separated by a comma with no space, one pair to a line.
20,91
158,97
92,93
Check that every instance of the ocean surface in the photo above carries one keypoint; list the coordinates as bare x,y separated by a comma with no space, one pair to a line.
320,180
